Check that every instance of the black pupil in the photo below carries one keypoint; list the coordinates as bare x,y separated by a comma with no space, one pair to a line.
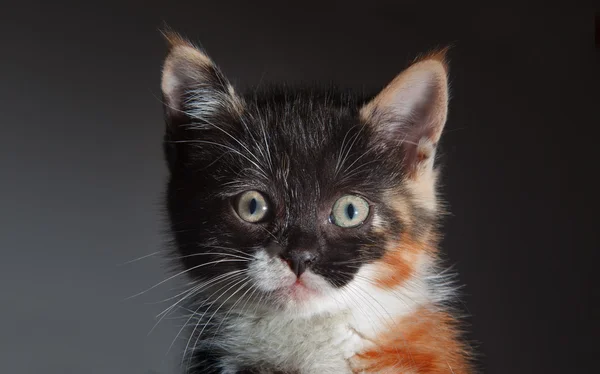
350,211
253,205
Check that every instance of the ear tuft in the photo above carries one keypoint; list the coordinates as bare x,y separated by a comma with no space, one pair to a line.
437,54
174,39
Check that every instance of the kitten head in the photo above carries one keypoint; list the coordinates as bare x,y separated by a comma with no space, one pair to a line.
287,197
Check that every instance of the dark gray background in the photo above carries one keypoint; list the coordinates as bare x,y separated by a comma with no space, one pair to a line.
82,170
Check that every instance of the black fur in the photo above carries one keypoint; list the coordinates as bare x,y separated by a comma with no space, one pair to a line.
305,131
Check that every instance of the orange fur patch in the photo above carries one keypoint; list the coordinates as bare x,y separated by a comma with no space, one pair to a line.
425,342
398,264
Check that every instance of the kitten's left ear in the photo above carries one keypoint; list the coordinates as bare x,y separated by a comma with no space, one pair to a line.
410,112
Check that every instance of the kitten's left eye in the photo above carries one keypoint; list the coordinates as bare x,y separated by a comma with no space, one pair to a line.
349,211
251,206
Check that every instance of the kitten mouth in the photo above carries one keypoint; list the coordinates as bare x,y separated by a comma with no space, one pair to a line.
299,283
300,290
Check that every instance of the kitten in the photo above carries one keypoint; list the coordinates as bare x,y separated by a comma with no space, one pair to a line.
306,221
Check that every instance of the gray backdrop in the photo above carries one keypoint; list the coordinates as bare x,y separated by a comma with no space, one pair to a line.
82,171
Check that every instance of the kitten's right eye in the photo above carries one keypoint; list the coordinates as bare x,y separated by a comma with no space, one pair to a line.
251,206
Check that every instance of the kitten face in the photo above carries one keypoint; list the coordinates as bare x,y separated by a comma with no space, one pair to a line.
300,157
281,197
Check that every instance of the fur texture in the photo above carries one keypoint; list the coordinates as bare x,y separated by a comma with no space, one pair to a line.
296,291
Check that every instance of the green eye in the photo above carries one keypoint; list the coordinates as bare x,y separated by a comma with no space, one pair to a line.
349,211
251,206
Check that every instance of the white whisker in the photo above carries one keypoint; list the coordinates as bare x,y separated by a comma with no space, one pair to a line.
139,258
183,272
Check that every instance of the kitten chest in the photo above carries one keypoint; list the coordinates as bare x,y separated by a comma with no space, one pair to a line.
313,345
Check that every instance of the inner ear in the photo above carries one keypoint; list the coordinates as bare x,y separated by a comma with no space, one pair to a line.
409,114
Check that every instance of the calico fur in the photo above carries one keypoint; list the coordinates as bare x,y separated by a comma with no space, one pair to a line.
375,299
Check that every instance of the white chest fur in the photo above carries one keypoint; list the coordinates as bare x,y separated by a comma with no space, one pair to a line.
313,345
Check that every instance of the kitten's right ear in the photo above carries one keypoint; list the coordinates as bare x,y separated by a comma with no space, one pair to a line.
194,90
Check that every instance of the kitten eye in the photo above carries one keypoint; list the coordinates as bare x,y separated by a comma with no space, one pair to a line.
349,211
251,206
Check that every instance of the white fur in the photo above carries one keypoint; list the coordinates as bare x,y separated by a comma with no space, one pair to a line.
322,332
